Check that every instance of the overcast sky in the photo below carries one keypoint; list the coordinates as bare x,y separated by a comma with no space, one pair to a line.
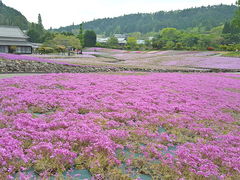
56,13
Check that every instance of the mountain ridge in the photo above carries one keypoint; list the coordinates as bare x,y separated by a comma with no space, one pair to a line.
205,16
12,17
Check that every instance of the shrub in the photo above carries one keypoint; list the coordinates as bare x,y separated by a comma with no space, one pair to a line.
230,47
45,50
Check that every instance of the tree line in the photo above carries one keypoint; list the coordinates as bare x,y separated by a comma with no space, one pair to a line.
204,18
60,42
223,37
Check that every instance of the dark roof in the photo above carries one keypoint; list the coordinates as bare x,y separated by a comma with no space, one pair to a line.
12,31
15,43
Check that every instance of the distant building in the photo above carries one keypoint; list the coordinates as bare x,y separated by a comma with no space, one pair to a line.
102,40
13,40
150,38
122,41
36,45
120,36
140,42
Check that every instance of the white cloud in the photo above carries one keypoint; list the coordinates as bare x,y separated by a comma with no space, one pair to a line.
57,13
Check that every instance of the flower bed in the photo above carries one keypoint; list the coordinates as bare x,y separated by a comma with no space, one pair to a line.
206,62
30,58
128,126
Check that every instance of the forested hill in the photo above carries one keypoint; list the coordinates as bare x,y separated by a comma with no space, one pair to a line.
207,17
10,16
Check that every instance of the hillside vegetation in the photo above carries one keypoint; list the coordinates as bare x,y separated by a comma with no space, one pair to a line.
10,16
202,17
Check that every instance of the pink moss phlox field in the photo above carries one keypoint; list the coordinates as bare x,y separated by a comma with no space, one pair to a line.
178,126
39,59
29,58
206,62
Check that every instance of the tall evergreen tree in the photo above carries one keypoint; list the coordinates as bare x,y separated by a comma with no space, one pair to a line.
40,24
227,28
36,31
90,38
236,19
81,35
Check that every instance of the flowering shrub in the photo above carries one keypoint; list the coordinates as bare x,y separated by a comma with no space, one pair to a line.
170,125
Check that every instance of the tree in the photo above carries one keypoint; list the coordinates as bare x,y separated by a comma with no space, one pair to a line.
81,35
90,38
137,35
227,28
231,39
236,19
231,30
36,31
131,42
48,36
168,38
202,18
157,42
61,42
169,45
112,41
169,34
41,28
189,40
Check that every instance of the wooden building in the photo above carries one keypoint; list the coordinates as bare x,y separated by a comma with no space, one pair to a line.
13,40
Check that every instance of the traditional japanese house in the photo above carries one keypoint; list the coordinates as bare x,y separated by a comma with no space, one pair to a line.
13,40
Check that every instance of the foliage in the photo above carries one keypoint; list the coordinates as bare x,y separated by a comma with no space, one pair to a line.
35,33
45,50
41,28
230,47
131,42
63,41
230,28
90,38
112,41
66,33
231,38
236,19
48,36
81,35
171,38
12,17
204,18
232,54
169,34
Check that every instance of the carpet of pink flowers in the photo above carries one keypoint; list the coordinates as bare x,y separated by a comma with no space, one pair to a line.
170,125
